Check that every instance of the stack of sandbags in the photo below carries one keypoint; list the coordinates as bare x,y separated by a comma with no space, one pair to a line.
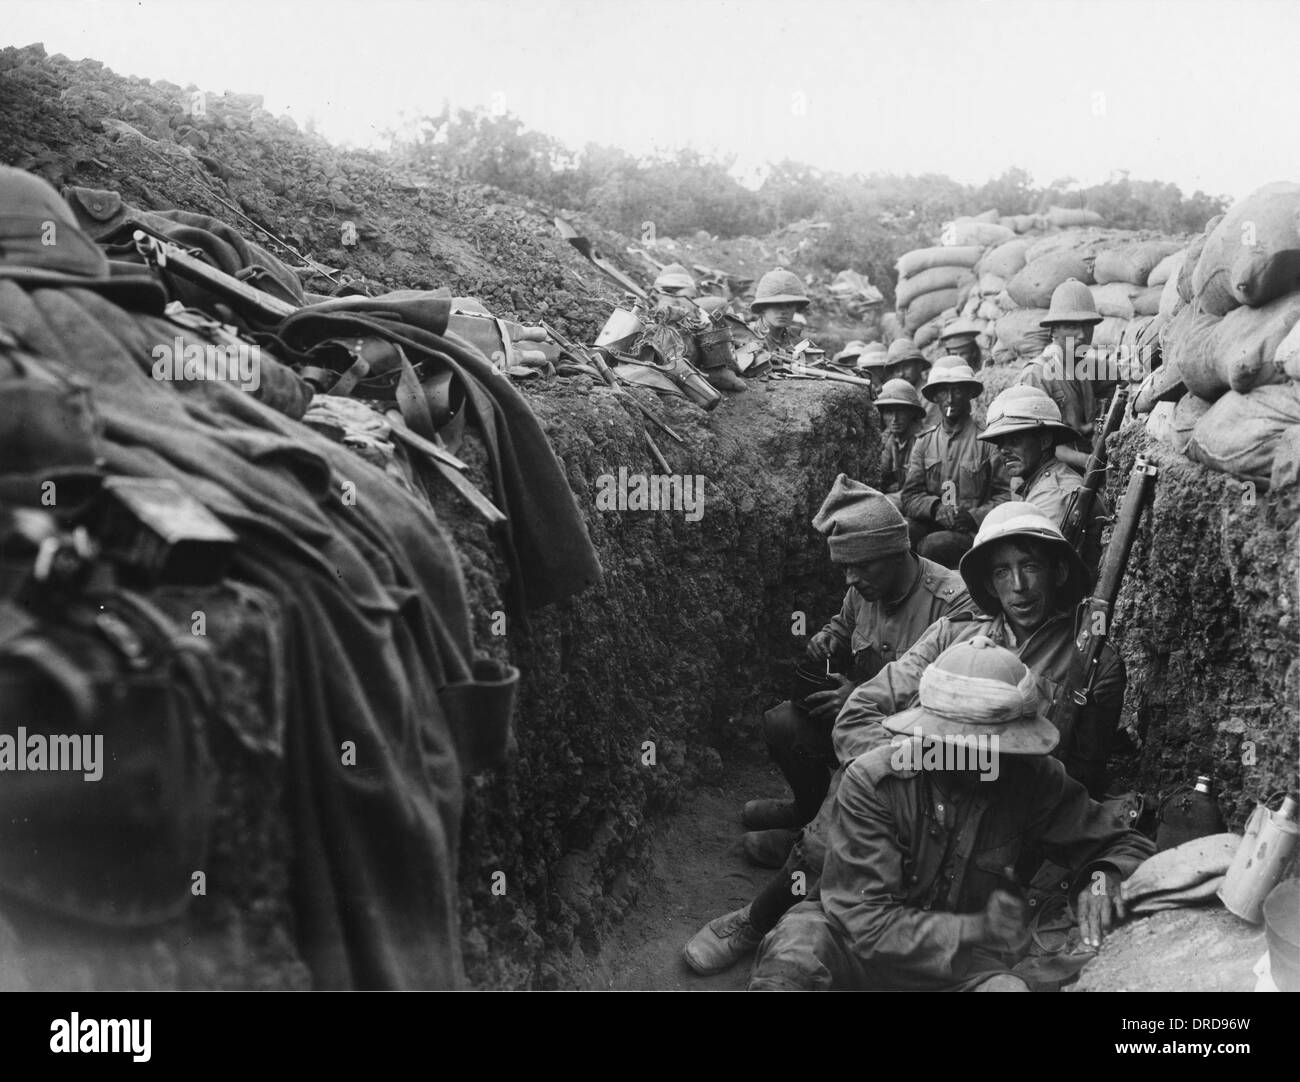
1232,336
930,280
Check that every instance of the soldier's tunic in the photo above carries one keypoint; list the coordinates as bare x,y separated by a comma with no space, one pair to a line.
1048,652
905,862
1076,398
1050,488
894,456
974,469
876,633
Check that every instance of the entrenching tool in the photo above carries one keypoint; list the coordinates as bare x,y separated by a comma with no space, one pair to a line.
602,264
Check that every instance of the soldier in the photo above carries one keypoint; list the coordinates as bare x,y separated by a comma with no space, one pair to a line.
674,304
848,356
925,836
909,363
953,480
1071,320
893,597
777,298
1025,426
958,339
873,363
901,416
1028,580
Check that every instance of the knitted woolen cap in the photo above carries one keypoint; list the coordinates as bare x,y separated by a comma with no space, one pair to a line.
860,523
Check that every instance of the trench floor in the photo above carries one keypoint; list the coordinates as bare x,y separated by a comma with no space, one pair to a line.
698,871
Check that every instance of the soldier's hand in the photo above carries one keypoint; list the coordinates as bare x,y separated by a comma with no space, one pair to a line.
826,705
1005,925
1099,906
821,646
963,520
946,515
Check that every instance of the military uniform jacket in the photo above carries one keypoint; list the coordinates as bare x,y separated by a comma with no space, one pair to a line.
1050,488
904,860
781,340
939,457
876,633
894,456
1049,652
1075,397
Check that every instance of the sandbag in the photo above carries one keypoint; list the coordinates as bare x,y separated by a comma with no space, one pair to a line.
1170,300
982,216
1286,460
981,233
1253,255
1287,356
1006,302
1068,218
928,333
1024,223
990,285
1020,333
1239,434
1185,272
1109,331
1147,303
1238,351
927,306
921,259
1053,243
1004,260
1167,268
988,310
927,281
1115,299
1160,423
1188,410
1188,340
1132,262
1031,287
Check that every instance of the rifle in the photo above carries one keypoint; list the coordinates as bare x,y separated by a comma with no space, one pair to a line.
1097,609
164,253
1078,512
597,360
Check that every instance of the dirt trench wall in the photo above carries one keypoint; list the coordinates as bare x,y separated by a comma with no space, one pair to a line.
676,649
1207,624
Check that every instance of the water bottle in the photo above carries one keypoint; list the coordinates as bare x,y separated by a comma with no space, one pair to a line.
1187,815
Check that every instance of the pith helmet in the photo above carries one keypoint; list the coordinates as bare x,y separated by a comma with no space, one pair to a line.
851,351
1024,409
957,375
1072,302
979,689
898,392
963,329
874,356
42,245
1023,521
675,278
904,349
779,286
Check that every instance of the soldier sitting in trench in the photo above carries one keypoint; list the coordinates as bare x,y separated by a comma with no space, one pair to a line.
893,597
917,890
1028,581
953,480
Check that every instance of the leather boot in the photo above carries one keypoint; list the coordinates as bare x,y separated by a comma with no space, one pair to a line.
724,379
769,848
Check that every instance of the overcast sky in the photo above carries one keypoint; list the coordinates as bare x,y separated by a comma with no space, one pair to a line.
1204,94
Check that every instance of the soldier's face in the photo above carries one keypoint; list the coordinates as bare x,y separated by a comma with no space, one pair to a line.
779,315
1024,452
1071,337
912,371
954,402
896,420
876,579
1025,578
